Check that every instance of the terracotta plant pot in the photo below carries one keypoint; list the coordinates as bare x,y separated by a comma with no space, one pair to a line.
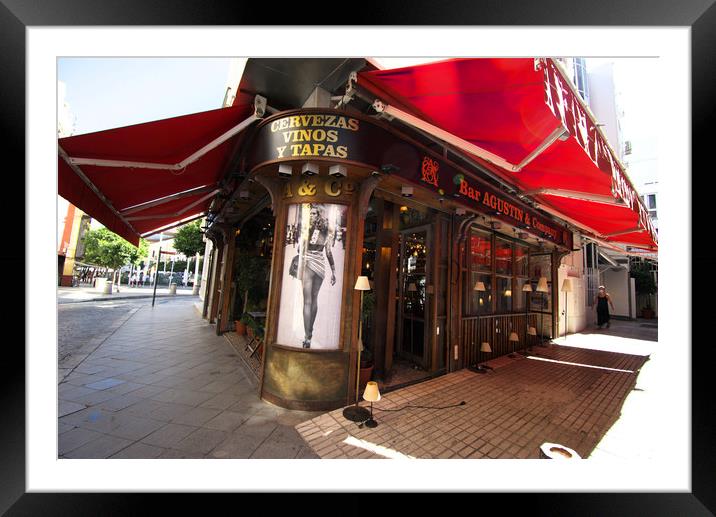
240,328
250,332
366,372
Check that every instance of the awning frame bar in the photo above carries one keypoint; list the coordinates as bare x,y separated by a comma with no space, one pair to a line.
624,232
573,194
94,188
174,225
179,212
161,201
259,111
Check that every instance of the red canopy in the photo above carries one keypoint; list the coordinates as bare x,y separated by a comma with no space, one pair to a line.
142,178
547,142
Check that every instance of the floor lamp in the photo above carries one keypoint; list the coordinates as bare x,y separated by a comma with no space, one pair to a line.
542,288
355,412
566,288
527,288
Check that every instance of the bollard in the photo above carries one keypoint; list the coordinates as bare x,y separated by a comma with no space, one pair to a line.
555,451
172,289
107,288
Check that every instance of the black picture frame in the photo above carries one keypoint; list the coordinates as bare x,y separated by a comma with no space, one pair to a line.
700,15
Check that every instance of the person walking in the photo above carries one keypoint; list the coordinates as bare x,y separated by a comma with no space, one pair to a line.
601,301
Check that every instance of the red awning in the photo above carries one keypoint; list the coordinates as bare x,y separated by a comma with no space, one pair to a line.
521,120
146,177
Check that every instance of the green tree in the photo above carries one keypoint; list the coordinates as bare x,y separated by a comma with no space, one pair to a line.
107,249
643,280
189,239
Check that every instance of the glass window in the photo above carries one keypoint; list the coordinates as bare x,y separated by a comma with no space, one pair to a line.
651,204
519,296
521,260
540,266
480,250
503,294
503,257
481,301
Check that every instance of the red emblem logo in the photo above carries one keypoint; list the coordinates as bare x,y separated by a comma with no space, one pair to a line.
430,171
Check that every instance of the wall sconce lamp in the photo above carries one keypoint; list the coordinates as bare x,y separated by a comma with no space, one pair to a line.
371,394
309,169
355,412
285,170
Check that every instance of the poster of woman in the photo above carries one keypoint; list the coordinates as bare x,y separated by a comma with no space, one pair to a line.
312,280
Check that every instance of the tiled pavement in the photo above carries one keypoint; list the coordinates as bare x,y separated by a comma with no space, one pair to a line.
508,413
163,385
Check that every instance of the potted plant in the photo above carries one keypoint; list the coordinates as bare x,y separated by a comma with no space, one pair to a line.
240,324
647,312
645,286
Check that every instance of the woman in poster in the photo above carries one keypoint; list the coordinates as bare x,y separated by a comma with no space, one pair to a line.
312,272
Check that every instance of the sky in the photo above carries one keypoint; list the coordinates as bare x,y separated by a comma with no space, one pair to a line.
104,93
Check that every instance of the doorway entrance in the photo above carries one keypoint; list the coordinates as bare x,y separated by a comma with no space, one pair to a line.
413,305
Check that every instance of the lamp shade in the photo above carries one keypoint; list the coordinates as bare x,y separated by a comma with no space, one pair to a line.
527,288
485,347
567,286
532,331
480,286
508,292
411,287
362,284
542,285
513,336
371,393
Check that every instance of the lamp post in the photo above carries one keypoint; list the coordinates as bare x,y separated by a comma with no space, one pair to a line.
542,288
566,288
355,412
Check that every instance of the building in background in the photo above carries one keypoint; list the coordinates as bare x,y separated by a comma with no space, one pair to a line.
72,223
624,111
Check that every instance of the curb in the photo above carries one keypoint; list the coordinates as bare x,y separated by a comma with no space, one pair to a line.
126,298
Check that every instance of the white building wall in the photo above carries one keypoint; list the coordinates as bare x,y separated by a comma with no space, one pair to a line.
617,283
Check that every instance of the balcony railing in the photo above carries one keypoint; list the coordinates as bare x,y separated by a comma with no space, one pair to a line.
495,330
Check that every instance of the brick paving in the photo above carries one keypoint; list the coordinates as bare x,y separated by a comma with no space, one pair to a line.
164,385
508,413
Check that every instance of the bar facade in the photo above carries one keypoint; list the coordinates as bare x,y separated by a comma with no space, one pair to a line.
448,253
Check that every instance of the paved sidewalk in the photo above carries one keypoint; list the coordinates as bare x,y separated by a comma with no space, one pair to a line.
571,395
164,385
91,294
